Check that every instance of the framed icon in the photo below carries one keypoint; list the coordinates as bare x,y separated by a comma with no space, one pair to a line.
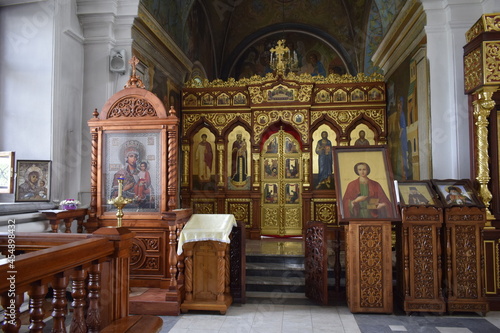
33,180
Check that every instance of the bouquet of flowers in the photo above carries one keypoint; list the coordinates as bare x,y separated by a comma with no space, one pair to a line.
69,204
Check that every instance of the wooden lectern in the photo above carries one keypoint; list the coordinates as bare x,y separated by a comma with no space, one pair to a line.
204,242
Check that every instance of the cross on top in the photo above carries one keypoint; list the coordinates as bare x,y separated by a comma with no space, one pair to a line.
279,51
133,62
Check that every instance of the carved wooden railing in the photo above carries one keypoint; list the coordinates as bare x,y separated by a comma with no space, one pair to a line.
97,265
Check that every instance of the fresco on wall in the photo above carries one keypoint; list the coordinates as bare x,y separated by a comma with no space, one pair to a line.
313,56
382,14
197,41
185,22
403,122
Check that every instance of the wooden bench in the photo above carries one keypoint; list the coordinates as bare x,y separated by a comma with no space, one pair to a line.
135,324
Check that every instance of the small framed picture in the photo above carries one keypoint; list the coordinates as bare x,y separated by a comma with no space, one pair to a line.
33,180
456,192
364,184
7,171
417,193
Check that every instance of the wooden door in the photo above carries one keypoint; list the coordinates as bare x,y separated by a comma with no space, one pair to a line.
281,212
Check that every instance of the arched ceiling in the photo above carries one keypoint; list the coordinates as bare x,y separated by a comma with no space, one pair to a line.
223,31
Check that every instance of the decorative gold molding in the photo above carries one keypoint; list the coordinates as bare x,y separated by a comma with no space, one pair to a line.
344,118
241,209
487,22
473,71
262,119
491,55
302,78
324,210
219,120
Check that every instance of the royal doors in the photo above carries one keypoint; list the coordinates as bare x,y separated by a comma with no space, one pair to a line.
281,212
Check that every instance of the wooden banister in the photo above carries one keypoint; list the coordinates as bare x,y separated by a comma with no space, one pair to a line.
101,259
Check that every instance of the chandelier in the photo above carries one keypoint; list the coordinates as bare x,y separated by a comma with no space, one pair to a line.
282,59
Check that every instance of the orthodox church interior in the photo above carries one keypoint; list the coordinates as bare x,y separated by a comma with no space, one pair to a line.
353,143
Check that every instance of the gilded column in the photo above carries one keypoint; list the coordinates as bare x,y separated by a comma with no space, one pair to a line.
256,178
483,104
220,152
185,172
305,160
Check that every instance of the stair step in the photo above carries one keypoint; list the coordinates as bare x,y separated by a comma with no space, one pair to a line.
275,259
263,267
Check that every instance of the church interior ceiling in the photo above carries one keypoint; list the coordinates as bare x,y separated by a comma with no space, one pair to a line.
223,35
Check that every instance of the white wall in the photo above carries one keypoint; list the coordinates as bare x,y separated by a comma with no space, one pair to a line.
41,89
26,90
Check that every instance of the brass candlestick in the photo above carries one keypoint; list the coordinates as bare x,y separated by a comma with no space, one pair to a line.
119,202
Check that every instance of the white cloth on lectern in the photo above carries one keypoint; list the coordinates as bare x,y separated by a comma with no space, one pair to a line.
203,227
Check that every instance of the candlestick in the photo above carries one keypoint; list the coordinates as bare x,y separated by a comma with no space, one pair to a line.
119,202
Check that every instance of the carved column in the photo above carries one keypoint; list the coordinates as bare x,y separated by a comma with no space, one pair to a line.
483,105
172,168
481,80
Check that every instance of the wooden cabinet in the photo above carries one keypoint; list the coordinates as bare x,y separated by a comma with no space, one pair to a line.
464,278
419,259
206,276
369,266
205,244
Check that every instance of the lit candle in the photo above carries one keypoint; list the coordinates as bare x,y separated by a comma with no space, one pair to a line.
120,186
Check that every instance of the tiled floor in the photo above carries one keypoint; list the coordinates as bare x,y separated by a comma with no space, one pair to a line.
275,313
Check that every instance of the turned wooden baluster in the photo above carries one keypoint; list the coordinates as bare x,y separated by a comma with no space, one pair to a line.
78,292
11,322
172,241
94,288
37,297
59,303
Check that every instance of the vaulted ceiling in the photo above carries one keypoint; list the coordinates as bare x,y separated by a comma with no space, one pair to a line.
219,33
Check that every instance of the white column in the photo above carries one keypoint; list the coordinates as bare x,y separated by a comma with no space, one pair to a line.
107,25
447,23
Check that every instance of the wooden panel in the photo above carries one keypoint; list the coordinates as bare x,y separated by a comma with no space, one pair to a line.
369,267
464,276
419,258
316,262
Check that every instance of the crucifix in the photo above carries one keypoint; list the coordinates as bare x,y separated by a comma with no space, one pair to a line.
279,51
134,80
